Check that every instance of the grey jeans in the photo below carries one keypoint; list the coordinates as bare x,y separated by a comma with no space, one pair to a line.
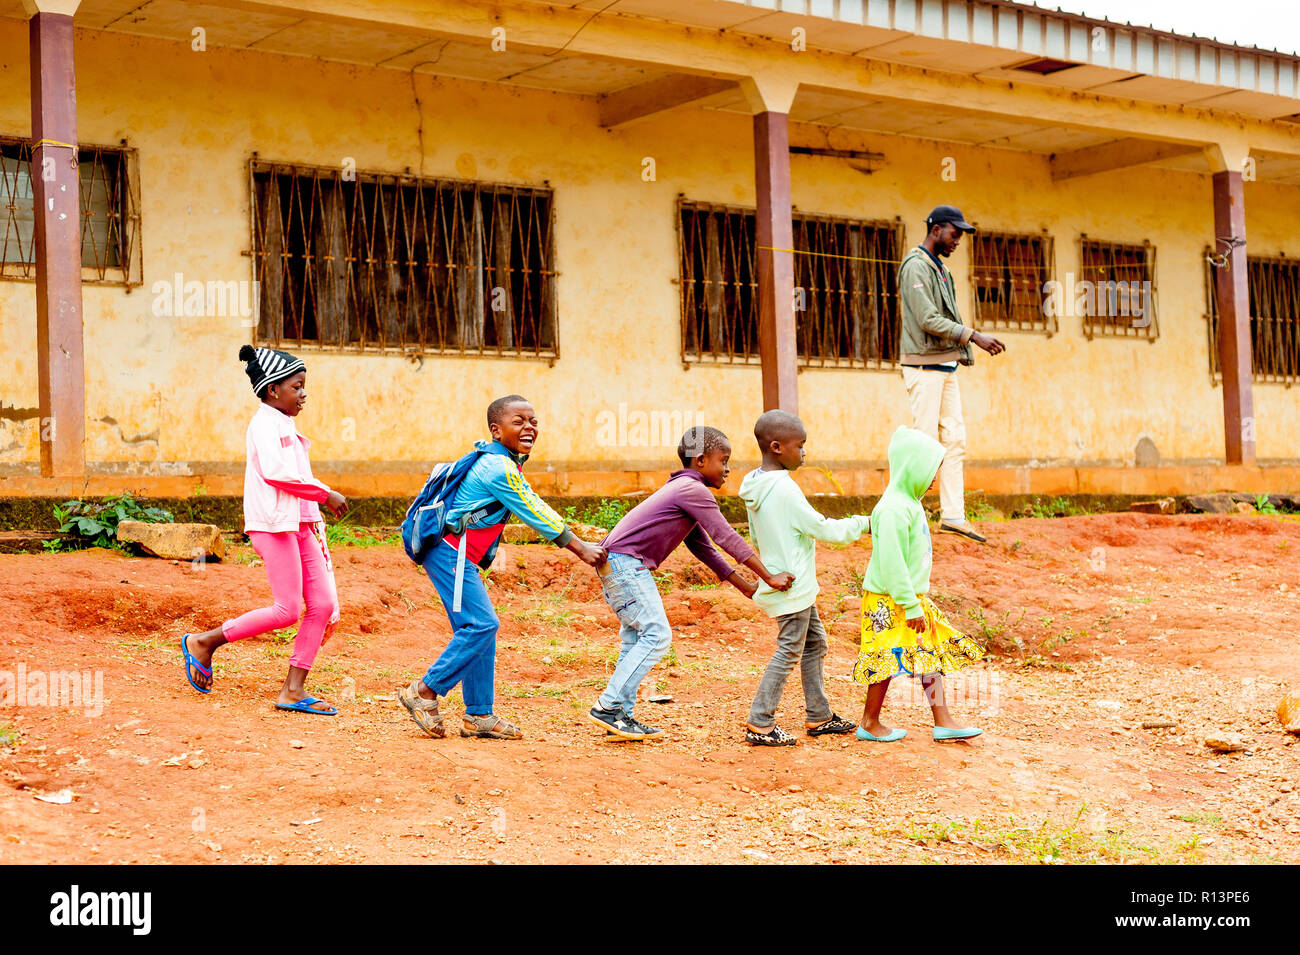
800,636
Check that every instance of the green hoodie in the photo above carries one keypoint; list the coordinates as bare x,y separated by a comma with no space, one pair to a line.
900,534
783,527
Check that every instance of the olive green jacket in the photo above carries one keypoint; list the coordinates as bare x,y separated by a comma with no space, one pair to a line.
931,328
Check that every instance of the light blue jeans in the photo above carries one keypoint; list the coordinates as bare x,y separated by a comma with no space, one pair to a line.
631,593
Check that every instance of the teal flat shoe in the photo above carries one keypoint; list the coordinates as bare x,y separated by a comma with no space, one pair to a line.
942,733
894,736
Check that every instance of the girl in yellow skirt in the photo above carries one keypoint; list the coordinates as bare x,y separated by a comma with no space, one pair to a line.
902,630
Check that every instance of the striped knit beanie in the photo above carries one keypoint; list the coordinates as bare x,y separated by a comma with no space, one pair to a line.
266,366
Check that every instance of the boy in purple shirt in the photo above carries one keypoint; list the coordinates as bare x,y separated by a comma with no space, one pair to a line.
682,510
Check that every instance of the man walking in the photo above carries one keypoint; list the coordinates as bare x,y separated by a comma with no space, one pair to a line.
933,343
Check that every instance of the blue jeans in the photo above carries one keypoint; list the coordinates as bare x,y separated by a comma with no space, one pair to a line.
470,657
631,593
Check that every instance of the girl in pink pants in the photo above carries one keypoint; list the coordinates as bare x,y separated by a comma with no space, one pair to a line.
283,521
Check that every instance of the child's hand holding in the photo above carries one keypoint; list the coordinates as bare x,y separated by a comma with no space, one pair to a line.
593,555
781,581
917,624
337,503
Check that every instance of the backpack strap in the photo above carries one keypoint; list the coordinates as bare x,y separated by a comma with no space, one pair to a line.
460,573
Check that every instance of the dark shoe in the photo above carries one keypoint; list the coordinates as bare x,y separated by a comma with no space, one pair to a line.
963,530
647,731
836,724
773,737
616,722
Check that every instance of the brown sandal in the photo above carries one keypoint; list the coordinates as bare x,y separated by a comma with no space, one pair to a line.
490,727
424,712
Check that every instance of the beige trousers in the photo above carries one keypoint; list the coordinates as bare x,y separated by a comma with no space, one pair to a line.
936,410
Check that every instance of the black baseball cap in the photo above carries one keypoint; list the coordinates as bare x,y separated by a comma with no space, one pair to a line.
952,214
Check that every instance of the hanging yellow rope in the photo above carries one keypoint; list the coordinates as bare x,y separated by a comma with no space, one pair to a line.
828,255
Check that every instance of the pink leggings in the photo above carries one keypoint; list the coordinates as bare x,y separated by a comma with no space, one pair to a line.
296,566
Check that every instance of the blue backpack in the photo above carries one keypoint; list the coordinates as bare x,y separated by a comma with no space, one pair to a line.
426,519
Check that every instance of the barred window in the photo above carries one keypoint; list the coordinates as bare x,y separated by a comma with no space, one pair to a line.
1117,289
1008,272
1274,285
845,277
379,261
110,219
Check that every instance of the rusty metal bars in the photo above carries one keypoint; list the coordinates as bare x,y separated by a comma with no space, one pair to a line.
110,213
1008,274
1118,289
845,277
1274,284
374,261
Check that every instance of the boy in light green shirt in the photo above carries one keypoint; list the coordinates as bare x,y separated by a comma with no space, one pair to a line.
784,528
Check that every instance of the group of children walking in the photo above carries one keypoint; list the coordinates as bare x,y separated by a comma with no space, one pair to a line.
903,632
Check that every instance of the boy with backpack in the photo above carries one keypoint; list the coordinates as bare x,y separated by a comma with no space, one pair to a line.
452,529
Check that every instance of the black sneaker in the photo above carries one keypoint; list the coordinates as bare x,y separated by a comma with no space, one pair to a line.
647,731
964,530
836,724
615,721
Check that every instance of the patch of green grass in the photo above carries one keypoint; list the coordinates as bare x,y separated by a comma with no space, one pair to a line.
663,580
344,534
549,608
1055,507
8,736
980,509
1039,662
1138,600
1202,818
512,692
140,644
1047,841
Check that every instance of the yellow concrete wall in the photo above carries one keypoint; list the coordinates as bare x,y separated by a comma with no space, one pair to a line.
197,117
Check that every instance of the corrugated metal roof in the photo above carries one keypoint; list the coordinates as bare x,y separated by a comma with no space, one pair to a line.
1036,31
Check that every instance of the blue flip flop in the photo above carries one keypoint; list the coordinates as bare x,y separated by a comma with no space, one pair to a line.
192,661
942,733
894,736
304,706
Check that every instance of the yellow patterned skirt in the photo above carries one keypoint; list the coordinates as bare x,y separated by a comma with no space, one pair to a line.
890,646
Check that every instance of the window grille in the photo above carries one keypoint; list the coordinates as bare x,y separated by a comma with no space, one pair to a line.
1119,297
379,261
110,218
1274,285
1008,272
845,278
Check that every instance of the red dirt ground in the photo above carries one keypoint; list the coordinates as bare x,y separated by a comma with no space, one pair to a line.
1104,623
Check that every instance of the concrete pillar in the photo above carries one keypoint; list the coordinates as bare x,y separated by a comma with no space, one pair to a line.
777,343
1232,295
59,339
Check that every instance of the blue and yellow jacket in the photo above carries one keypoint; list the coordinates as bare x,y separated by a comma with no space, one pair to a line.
494,489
